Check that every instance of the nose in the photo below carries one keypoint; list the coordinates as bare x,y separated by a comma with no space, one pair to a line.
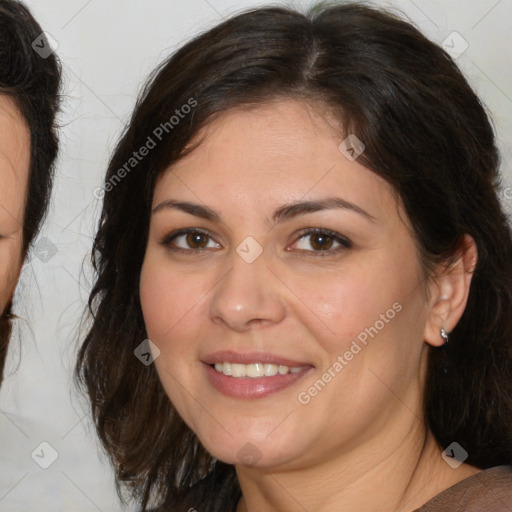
248,295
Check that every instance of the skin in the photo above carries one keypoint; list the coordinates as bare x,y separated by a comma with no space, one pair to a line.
360,443
14,173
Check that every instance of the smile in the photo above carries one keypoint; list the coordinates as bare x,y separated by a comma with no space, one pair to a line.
254,370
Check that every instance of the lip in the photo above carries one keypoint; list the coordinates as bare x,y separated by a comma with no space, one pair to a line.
251,387
230,356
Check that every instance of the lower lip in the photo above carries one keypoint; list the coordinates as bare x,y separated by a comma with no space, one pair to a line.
252,387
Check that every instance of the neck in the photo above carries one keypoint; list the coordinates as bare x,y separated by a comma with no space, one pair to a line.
398,478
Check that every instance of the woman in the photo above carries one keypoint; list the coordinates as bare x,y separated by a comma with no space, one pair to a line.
29,86
301,230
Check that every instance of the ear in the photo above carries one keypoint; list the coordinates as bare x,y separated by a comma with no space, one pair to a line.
449,291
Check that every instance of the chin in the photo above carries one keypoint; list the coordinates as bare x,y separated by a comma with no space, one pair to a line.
242,450
249,455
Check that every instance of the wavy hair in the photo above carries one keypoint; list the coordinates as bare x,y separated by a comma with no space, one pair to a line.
425,132
33,83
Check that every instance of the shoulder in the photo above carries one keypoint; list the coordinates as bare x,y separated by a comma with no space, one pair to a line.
489,490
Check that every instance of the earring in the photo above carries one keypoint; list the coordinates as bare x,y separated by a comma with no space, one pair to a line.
444,363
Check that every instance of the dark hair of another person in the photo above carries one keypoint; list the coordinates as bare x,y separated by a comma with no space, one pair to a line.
33,84
426,133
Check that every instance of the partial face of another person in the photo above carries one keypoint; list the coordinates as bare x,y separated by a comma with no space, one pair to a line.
14,173
268,247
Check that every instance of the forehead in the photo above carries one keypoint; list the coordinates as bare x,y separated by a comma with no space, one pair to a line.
14,163
15,139
273,135
272,153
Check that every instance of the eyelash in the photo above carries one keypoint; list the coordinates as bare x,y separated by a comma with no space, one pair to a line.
172,236
344,242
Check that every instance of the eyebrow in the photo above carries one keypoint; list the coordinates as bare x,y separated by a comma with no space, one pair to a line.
281,214
289,211
198,210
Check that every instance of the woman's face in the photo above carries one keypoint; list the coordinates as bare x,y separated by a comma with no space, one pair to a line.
270,248
14,171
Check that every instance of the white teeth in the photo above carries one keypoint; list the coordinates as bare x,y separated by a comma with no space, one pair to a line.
270,370
254,370
238,370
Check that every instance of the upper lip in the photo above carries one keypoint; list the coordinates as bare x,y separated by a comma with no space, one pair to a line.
229,356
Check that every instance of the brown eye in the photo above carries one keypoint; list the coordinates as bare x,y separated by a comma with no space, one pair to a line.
321,242
190,240
318,241
197,240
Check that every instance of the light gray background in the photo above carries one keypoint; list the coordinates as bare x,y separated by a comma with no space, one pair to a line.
107,49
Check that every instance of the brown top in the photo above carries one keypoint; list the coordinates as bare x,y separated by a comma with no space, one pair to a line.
487,491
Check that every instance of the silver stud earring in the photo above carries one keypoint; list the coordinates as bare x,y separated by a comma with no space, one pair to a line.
444,335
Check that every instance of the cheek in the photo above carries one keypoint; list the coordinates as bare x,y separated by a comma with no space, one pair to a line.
342,302
168,298
10,267
171,303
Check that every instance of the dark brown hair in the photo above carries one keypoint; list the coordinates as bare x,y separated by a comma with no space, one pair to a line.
425,132
33,83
